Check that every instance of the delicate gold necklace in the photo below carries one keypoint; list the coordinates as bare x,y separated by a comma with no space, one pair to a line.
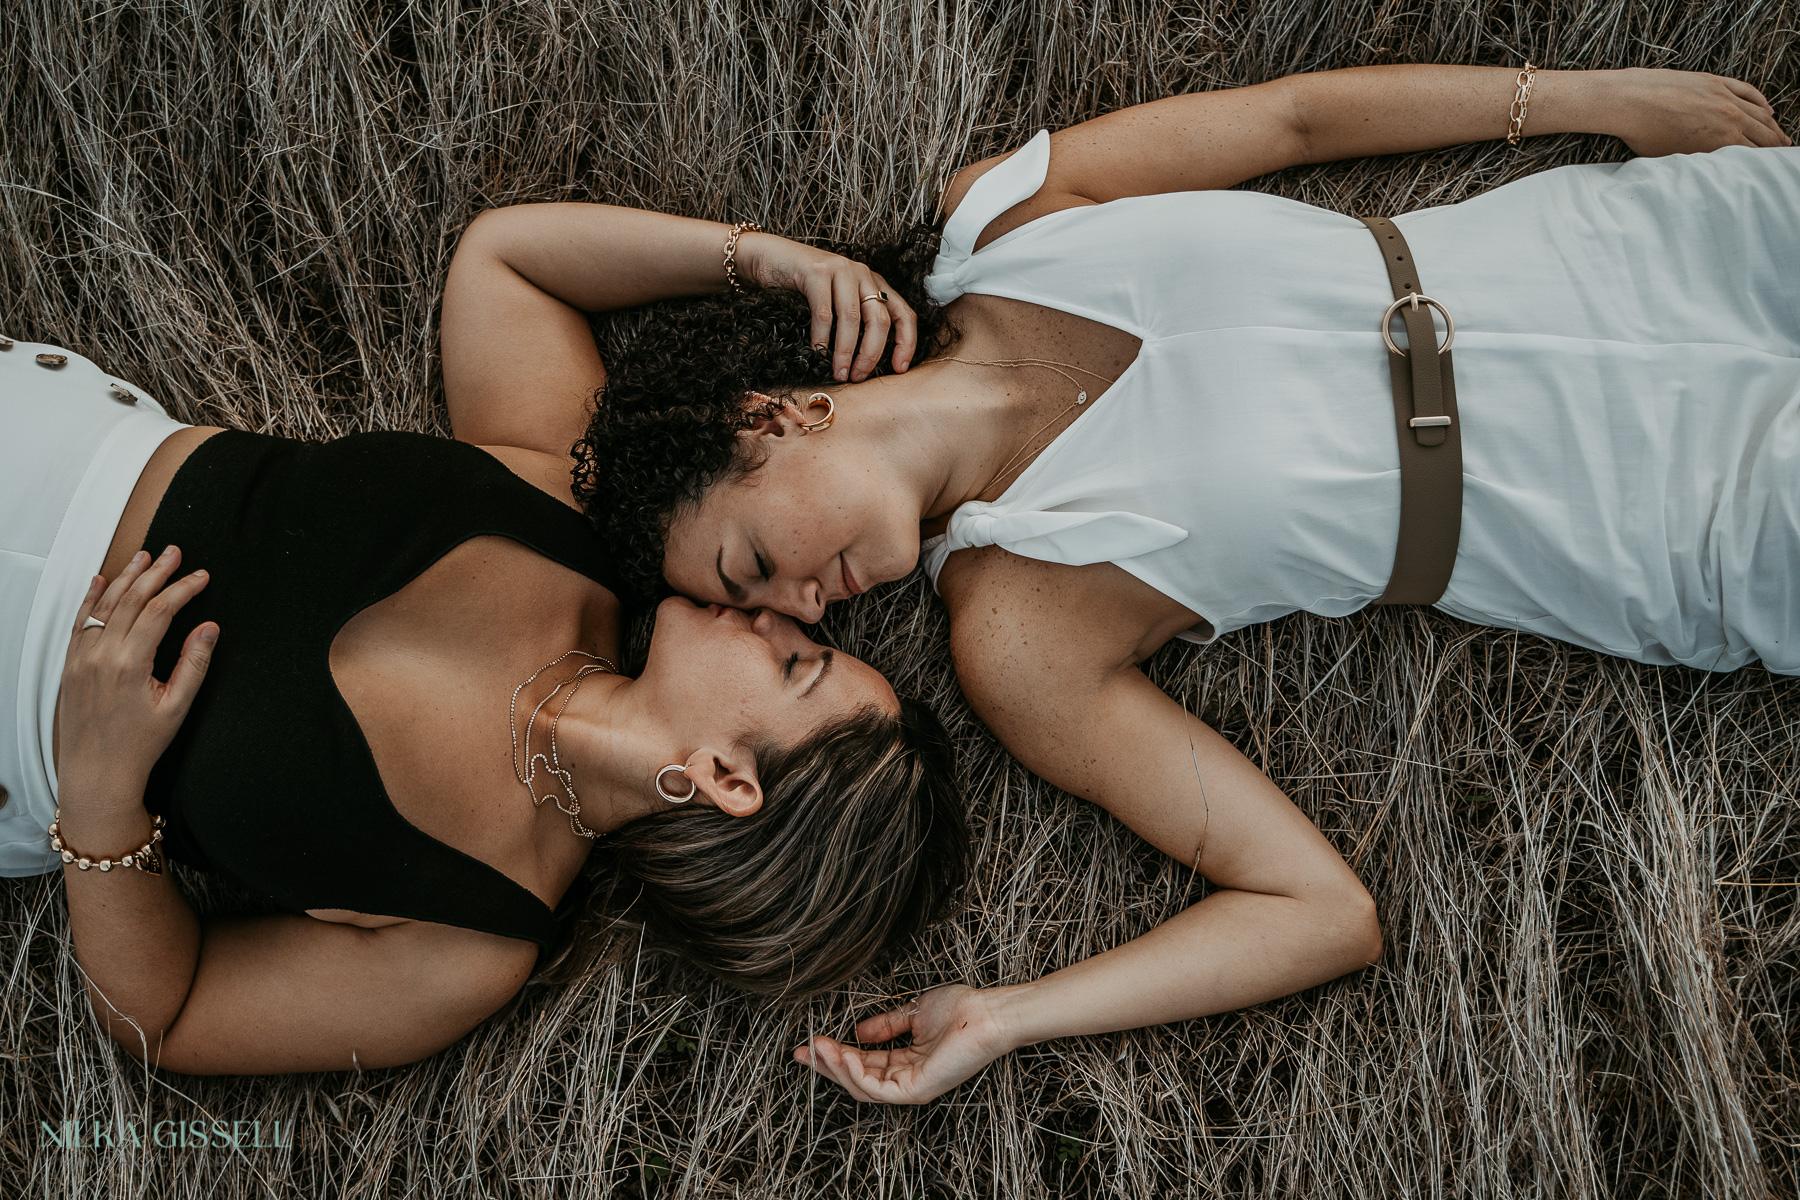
552,764
1080,396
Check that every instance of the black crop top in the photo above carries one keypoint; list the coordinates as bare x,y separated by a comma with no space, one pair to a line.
270,780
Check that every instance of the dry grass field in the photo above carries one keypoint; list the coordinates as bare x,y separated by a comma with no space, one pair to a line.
1587,868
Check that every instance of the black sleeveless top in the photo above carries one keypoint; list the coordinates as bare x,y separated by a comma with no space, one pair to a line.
270,780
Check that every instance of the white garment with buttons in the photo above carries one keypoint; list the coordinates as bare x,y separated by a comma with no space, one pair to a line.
73,441
1627,378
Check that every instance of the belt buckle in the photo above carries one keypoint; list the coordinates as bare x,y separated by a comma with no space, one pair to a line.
1416,299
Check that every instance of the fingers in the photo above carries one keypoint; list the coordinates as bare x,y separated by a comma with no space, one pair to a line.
190,668
835,298
876,322
1765,130
146,633
884,1027
1777,135
906,325
849,324
96,586
820,1053
1765,133
146,583
115,591
1760,124
818,298
1746,92
844,1067
859,1082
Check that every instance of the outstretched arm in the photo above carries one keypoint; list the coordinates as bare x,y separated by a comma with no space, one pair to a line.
1219,139
1287,912
1389,110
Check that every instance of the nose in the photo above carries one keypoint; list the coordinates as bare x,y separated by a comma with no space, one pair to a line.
806,603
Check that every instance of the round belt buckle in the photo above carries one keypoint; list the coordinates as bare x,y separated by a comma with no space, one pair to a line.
1416,299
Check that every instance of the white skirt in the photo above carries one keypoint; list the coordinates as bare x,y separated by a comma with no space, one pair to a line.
71,450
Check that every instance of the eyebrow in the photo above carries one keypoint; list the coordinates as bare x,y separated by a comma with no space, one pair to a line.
734,590
828,658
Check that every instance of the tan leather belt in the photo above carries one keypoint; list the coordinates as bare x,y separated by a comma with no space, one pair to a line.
1430,434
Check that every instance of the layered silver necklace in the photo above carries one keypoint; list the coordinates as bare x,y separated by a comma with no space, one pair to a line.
550,763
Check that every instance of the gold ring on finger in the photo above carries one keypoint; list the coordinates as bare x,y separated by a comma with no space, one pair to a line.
881,296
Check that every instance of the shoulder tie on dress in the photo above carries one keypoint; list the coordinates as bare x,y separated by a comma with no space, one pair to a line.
1004,185
1074,539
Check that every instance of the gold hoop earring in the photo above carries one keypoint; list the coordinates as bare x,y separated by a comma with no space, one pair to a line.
693,787
823,422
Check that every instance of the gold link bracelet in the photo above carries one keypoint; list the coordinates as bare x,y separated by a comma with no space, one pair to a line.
731,241
1515,129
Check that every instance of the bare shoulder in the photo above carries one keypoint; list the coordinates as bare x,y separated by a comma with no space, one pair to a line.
1014,618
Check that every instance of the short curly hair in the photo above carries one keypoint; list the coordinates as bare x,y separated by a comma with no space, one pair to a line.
665,424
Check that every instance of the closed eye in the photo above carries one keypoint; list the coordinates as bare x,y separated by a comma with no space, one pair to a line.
787,670
762,567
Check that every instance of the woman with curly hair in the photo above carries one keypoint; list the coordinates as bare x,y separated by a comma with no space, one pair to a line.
1171,410
386,653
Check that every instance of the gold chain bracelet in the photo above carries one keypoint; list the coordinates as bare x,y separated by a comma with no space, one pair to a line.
1515,128
144,858
731,241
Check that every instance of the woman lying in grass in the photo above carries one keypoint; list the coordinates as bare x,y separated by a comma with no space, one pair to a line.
1150,408
386,654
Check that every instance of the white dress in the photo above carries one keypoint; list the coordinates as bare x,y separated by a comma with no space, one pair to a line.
1627,374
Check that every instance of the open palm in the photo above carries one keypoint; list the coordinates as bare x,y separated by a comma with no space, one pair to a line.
954,1035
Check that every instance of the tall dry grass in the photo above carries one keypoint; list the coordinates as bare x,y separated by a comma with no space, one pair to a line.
1586,867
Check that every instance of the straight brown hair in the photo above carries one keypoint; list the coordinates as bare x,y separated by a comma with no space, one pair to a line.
861,841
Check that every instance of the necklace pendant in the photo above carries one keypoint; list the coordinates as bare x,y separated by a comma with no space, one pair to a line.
1081,399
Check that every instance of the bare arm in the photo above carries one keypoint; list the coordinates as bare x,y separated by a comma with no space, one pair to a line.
1219,139
135,937
245,996
1287,913
281,993
284,993
521,368
1364,111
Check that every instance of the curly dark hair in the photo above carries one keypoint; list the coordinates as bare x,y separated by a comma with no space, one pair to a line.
665,424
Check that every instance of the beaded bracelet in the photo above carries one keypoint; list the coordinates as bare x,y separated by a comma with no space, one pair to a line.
144,858
731,241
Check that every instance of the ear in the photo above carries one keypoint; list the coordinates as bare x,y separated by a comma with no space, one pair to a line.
771,417
726,780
